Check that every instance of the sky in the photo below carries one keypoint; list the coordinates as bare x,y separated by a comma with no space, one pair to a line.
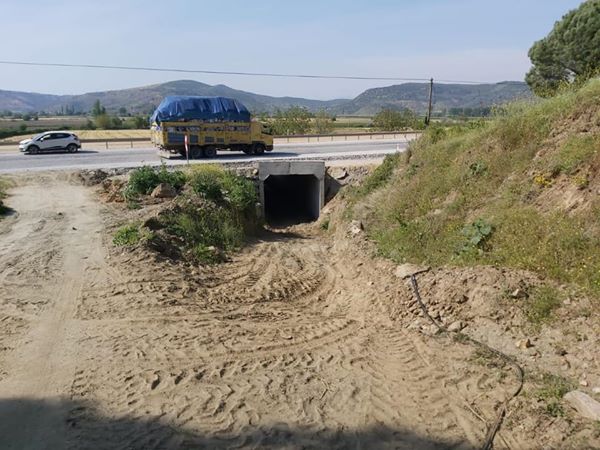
478,40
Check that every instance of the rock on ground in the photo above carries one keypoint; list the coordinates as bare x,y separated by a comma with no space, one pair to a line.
585,405
356,227
164,190
406,270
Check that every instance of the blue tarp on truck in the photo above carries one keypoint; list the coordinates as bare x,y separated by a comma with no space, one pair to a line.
181,108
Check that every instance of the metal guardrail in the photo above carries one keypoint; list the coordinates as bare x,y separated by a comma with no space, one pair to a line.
332,137
288,139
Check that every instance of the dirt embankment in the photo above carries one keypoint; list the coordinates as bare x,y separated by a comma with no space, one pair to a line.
300,341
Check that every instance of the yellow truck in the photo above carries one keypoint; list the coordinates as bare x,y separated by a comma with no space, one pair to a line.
206,125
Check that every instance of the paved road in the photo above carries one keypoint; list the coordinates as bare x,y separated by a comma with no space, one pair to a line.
97,158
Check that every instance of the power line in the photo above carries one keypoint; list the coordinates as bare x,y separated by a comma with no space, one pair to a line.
223,72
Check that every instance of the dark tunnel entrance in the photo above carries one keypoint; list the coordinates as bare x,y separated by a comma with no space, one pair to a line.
291,199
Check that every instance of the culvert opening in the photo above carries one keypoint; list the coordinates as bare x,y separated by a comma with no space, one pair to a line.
291,199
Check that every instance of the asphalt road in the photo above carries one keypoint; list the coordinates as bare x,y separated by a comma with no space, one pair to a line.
97,158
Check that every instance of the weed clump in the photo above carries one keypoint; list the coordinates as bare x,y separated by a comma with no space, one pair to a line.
129,235
551,392
142,181
201,225
541,305
223,187
476,234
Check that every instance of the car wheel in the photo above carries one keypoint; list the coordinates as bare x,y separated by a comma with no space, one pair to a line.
259,149
210,152
71,148
33,149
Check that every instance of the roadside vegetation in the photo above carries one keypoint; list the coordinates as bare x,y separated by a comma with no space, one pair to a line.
211,217
516,191
128,235
142,181
392,120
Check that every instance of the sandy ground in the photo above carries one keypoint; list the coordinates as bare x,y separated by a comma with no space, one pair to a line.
282,348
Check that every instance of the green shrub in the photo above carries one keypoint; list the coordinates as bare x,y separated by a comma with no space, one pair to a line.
127,235
142,181
201,227
205,180
392,120
221,186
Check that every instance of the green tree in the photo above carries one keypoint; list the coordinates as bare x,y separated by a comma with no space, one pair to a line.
116,122
122,111
323,122
103,121
391,120
140,122
571,52
98,109
294,120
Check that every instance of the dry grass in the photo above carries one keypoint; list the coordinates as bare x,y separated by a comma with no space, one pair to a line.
112,134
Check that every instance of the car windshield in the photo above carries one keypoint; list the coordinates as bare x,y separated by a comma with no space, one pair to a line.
37,136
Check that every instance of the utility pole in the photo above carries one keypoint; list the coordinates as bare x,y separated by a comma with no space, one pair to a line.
428,118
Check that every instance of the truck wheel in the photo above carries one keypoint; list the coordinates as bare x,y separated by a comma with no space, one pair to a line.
259,149
195,153
248,150
210,152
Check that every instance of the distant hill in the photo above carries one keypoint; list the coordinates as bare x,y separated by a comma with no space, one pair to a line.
415,96
145,99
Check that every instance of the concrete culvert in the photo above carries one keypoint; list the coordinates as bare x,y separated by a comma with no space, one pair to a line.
291,199
291,192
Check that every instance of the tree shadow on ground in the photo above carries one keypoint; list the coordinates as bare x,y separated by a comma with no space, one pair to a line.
66,424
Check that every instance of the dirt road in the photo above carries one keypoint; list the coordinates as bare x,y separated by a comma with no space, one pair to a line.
284,347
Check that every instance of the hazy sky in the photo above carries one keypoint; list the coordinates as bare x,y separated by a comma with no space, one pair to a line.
481,40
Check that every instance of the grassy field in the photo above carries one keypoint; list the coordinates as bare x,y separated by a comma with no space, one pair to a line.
516,191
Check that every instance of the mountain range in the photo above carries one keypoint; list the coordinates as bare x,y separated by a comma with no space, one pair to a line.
145,99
